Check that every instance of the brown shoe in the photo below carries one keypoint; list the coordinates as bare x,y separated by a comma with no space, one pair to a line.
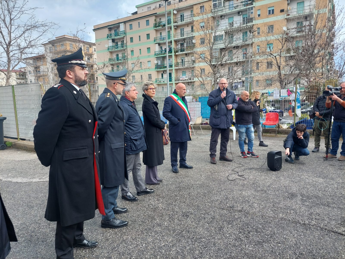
225,158
331,156
213,160
341,158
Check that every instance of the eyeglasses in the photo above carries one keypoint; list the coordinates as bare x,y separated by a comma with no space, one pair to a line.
151,89
119,83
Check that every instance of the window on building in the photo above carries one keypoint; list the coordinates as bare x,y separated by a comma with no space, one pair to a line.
148,36
243,70
244,36
270,28
202,9
71,46
202,71
62,45
132,53
181,17
131,26
192,28
230,55
147,22
131,39
259,13
257,48
87,49
149,8
231,22
218,37
269,82
269,46
139,51
244,53
257,65
55,47
202,25
269,64
141,78
148,50
202,56
138,24
217,23
139,38
258,31
257,83
141,64
230,71
133,78
149,77
182,32
298,45
231,38
132,65
202,41
299,27
271,10
148,63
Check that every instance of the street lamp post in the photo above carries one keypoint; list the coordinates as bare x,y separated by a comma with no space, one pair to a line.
167,47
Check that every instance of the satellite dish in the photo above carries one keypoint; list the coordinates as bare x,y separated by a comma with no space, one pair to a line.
284,28
175,12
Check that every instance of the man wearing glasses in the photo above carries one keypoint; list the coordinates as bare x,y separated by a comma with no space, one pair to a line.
113,171
222,101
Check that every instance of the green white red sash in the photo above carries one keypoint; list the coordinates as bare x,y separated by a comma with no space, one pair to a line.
183,106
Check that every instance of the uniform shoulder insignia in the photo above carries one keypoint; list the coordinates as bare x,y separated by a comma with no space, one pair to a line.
58,86
108,95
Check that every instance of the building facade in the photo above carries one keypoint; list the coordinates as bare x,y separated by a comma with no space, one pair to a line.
18,76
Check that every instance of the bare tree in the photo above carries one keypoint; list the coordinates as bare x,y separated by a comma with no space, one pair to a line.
20,33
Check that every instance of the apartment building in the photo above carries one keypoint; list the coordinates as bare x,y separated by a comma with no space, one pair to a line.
42,70
208,39
18,76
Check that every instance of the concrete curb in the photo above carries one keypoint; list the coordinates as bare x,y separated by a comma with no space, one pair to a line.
21,144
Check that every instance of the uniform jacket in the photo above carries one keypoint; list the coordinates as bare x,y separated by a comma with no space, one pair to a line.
111,130
292,139
154,155
221,117
65,138
178,120
244,112
320,107
134,128
7,233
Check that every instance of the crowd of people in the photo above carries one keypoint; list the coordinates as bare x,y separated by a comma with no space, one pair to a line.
92,151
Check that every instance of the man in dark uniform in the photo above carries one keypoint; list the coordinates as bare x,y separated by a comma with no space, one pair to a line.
66,140
112,145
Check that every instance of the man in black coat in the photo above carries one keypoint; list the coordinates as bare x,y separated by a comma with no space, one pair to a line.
65,138
222,101
175,110
111,130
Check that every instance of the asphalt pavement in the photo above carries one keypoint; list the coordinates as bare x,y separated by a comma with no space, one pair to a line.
229,210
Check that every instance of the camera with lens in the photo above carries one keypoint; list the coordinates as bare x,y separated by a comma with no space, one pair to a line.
332,90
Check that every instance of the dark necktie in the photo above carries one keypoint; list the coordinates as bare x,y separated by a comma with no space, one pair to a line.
83,94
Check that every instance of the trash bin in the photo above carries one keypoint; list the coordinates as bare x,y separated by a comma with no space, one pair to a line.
2,143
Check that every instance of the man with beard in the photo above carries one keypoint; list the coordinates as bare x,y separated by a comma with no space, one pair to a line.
65,138
244,124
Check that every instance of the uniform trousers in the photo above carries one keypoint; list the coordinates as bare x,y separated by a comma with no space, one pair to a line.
134,166
109,195
224,139
174,147
66,237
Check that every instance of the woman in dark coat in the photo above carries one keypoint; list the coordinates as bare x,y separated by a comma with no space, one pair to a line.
154,154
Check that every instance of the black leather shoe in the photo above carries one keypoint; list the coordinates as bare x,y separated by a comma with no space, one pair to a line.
174,169
186,166
129,197
316,149
86,244
262,144
118,210
225,158
146,191
160,180
113,223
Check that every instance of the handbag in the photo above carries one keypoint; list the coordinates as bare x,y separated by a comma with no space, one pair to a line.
165,134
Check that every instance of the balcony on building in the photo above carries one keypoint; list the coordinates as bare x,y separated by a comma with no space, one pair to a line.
162,81
300,11
245,24
184,79
162,66
185,49
161,24
40,73
183,19
163,52
117,59
231,7
183,34
116,47
116,34
184,64
162,39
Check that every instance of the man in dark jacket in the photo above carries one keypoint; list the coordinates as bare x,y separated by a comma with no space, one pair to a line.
297,141
112,145
244,125
175,110
66,139
222,101
322,115
338,127
135,142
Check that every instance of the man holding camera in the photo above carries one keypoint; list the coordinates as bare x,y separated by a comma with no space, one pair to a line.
322,115
338,123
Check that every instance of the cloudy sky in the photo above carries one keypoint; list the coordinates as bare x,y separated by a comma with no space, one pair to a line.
72,14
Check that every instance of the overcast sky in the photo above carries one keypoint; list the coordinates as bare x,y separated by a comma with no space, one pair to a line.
72,14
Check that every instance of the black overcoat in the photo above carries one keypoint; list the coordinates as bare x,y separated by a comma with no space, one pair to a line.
7,233
111,130
65,138
154,154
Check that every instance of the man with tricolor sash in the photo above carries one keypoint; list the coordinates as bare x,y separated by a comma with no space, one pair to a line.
176,112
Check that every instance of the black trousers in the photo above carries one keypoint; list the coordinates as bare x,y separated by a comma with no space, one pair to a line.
174,147
224,139
66,237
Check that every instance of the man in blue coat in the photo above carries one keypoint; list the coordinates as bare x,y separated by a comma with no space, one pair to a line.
222,101
135,143
111,130
175,110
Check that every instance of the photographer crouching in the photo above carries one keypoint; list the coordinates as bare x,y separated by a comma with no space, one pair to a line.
338,122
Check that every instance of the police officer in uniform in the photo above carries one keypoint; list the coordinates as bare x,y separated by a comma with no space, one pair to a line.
65,138
111,129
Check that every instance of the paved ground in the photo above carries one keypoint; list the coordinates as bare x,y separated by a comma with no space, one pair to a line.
229,210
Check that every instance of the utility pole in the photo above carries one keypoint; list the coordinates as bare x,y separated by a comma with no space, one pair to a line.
167,46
